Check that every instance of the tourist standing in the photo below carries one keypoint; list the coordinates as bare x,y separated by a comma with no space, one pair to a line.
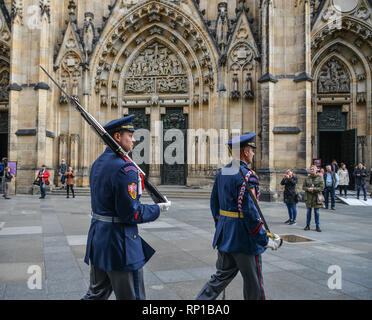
361,174
70,176
313,186
290,196
331,181
344,179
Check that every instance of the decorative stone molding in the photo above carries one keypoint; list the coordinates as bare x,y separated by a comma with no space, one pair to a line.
286,130
348,24
42,86
15,87
26,132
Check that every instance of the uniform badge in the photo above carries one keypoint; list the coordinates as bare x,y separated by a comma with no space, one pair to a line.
132,190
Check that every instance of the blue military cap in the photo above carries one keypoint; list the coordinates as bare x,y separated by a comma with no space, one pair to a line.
243,140
116,125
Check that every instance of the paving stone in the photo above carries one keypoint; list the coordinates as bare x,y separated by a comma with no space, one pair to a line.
21,291
62,286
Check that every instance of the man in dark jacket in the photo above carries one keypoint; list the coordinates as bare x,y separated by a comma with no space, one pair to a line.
361,174
115,250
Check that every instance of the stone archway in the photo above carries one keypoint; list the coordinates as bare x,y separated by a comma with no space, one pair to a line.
153,56
351,44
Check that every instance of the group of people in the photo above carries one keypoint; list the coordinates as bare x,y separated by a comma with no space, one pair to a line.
67,176
341,177
319,186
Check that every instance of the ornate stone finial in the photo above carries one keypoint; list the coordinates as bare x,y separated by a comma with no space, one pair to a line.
71,7
241,4
45,8
17,11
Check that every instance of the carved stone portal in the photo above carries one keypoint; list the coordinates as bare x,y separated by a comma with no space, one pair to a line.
156,70
333,78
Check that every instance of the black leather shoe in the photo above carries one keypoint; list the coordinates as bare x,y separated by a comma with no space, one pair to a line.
318,229
307,228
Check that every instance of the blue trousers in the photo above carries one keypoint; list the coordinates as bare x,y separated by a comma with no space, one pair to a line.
308,216
42,189
364,187
327,191
292,211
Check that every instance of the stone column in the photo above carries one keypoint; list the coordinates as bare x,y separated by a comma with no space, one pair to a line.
86,159
285,92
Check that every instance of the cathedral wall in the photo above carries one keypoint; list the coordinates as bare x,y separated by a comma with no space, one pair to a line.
254,70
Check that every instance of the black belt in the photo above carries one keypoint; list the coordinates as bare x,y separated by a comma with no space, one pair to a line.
106,218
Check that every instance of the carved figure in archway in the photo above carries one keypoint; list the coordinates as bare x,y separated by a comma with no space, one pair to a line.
333,78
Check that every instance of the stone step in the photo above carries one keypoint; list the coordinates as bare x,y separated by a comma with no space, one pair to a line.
169,191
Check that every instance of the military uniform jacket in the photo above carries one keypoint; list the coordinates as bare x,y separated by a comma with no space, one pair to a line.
238,224
115,193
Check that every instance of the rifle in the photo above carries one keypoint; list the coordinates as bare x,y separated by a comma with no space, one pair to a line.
154,193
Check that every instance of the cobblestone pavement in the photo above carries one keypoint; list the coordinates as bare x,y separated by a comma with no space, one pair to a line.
51,234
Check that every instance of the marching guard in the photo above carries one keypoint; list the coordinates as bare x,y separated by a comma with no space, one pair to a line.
239,236
115,250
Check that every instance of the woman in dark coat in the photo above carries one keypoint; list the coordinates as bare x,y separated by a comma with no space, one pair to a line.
290,197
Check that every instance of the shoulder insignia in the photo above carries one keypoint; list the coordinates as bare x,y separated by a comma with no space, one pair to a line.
130,168
132,190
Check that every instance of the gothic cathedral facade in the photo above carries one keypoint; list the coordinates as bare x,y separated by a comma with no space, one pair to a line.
296,72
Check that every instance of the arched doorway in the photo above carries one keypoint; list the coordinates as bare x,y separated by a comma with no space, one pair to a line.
336,137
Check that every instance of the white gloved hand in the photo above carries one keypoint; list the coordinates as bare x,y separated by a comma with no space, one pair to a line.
164,206
273,243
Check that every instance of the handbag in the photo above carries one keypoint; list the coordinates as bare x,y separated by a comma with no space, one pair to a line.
320,198
297,198
36,182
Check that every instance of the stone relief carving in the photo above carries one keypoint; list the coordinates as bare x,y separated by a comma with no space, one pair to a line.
4,81
241,56
363,13
333,78
4,32
70,66
156,69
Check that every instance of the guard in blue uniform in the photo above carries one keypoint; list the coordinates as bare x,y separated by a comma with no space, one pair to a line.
115,250
240,237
